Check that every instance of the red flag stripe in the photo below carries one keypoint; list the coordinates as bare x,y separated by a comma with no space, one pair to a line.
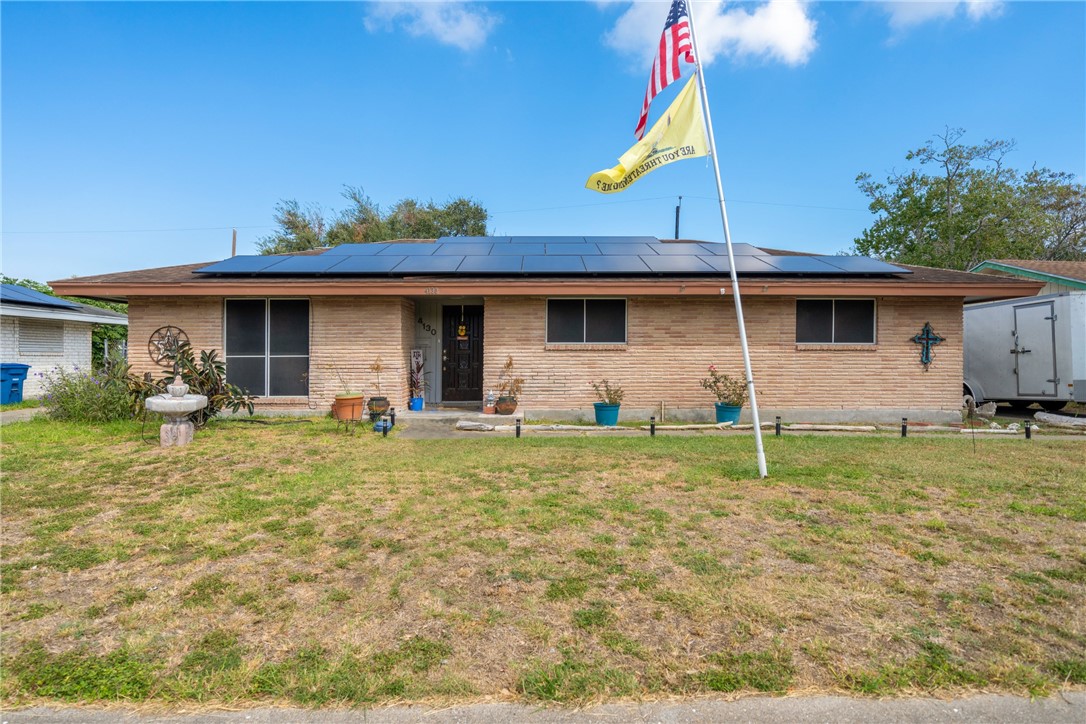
674,42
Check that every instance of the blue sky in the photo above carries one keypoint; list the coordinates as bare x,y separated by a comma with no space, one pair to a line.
137,135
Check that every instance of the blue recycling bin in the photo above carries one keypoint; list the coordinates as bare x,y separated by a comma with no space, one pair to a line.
12,375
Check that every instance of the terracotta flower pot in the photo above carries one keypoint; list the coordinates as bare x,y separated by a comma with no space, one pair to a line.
347,407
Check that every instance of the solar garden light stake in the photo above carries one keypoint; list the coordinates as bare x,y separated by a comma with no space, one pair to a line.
392,417
904,427
518,427
777,426
652,426
1029,430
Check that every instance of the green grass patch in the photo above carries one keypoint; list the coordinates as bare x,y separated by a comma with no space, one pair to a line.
770,671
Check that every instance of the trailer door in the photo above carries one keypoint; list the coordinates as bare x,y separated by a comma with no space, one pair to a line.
1035,349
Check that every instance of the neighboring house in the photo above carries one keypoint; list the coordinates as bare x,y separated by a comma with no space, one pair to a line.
831,338
1058,276
47,332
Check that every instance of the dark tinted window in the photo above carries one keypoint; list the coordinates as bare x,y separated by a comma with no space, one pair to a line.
835,321
247,373
814,320
288,376
605,320
267,346
245,326
854,321
595,321
565,320
289,332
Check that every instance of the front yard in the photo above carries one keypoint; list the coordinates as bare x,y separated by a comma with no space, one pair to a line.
293,563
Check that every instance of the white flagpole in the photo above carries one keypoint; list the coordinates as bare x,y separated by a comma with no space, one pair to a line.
728,241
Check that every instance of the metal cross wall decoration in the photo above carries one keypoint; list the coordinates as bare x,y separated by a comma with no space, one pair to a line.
927,339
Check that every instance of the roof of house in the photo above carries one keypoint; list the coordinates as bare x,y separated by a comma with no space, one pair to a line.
19,301
1068,273
544,265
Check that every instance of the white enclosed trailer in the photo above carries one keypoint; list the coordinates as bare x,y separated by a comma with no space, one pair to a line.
1027,350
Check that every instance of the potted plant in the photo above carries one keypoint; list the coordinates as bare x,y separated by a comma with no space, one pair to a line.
347,404
416,382
509,389
610,400
378,404
730,392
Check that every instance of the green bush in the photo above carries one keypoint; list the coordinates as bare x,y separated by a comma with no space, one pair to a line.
85,396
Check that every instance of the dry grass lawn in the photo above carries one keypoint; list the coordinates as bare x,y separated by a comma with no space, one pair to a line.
294,563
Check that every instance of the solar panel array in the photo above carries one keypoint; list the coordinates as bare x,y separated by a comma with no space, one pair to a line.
15,294
544,256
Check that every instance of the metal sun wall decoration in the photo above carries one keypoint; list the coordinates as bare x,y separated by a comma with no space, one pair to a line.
927,339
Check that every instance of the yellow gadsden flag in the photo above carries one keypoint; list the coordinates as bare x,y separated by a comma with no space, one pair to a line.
678,134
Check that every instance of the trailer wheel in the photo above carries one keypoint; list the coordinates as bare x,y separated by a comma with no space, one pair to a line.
1052,405
1019,405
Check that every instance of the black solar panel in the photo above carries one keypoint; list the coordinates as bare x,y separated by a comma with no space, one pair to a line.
464,249
721,249
553,264
317,264
541,255
548,240
799,264
409,249
861,265
368,264
676,263
631,249
242,264
621,239
428,264
15,294
355,249
473,240
503,264
571,249
604,264
518,249
677,249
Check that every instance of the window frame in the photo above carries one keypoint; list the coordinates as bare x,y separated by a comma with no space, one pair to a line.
267,356
833,321
584,321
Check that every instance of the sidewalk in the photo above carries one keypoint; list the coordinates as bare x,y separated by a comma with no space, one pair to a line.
1069,707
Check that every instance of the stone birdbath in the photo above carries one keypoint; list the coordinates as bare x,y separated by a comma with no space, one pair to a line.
176,406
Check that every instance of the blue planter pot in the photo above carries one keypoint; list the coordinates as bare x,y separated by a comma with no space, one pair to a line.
727,413
606,414
415,404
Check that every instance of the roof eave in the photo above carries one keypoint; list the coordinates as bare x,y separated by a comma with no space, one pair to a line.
657,286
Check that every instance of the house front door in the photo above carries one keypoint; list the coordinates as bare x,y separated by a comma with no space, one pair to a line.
462,354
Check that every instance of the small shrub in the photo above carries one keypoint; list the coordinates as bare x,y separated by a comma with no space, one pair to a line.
85,397
608,393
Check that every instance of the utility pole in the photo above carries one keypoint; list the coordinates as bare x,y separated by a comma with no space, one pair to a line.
677,209
234,244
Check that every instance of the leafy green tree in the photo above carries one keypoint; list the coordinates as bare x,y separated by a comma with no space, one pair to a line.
303,228
961,204
102,335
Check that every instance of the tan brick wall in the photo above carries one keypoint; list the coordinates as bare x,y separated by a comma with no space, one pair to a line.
346,335
199,317
671,342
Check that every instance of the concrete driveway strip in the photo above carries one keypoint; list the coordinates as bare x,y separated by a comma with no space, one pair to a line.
1064,708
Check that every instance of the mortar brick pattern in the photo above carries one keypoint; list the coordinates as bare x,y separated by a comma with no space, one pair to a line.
671,342
76,353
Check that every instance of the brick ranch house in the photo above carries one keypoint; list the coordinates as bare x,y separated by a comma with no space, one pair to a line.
831,338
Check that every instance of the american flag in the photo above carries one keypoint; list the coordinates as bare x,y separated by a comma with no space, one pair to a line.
675,42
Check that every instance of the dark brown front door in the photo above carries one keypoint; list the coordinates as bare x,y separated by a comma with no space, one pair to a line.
462,354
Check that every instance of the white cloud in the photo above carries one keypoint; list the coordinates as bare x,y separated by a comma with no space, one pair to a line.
780,30
462,25
905,14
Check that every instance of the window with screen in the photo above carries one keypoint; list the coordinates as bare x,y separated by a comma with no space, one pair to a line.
835,321
586,321
267,346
